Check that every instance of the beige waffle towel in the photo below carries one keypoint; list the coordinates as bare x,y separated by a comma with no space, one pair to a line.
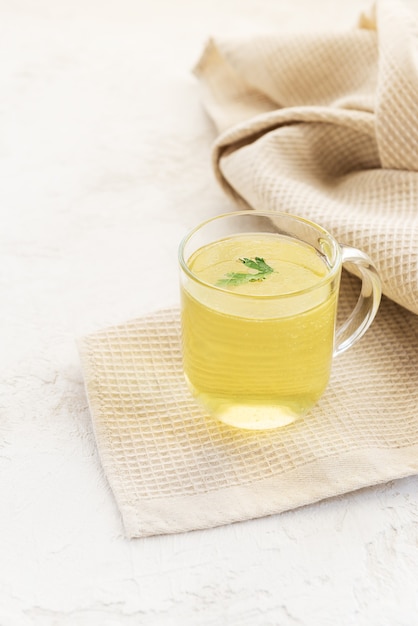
325,126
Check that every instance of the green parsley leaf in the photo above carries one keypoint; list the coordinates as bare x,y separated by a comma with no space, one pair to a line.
239,278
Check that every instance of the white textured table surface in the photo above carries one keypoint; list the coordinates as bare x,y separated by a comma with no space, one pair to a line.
105,163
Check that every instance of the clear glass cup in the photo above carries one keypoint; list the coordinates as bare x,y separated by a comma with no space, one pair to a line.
259,296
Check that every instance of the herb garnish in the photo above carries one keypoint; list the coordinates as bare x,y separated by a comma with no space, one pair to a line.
239,278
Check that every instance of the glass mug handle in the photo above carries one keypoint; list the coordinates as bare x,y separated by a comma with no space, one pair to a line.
358,263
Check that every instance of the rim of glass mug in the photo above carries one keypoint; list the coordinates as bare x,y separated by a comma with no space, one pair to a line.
270,215
357,262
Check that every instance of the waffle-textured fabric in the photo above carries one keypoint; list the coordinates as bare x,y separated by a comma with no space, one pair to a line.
325,126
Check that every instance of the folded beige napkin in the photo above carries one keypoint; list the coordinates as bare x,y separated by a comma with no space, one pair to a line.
325,126
173,469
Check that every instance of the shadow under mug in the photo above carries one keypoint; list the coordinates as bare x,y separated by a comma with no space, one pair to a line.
255,359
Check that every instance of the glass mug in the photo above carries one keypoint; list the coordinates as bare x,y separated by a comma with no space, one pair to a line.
259,296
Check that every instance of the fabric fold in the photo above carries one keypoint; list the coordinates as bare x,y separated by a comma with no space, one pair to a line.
324,126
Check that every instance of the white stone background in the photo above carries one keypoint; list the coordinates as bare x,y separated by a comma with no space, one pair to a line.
105,164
